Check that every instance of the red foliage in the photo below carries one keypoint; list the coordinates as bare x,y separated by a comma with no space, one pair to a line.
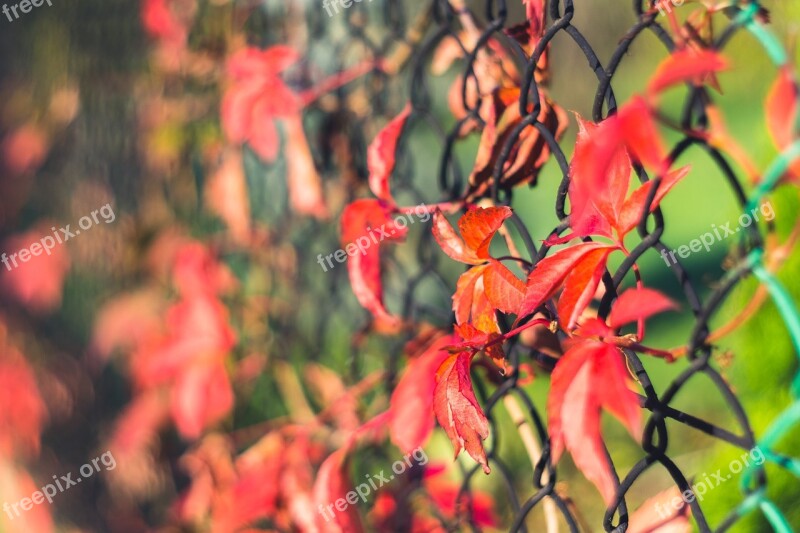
412,418
256,101
359,222
22,411
38,282
574,406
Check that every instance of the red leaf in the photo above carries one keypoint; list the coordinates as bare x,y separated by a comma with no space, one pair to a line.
257,96
159,21
359,219
634,206
638,304
450,242
457,409
594,205
333,483
594,327
478,226
38,283
411,405
196,329
687,65
22,411
580,286
550,272
381,156
588,378
600,169
503,289
640,134
599,177
781,107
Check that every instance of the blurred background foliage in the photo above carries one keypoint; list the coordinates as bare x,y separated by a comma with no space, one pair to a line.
83,72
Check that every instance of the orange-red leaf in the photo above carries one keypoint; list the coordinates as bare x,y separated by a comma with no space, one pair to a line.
457,409
551,271
381,156
504,290
580,286
450,242
590,377
411,405
467,291
687,65
478,226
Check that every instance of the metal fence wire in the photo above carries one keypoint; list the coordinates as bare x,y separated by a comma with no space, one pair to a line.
409,38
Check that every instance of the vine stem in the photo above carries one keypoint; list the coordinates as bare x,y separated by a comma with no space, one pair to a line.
534,450
331,83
